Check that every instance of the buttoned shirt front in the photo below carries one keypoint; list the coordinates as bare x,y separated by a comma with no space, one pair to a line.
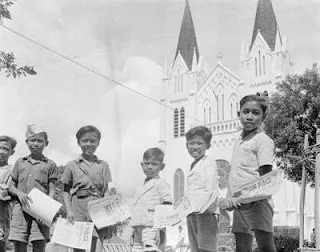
250,153
29,173
76,175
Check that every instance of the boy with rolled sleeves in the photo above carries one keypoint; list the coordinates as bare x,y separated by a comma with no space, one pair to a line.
7,145
32,171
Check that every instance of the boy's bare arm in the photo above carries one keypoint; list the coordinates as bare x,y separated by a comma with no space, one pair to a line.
23,197
264,169
67,202
52,187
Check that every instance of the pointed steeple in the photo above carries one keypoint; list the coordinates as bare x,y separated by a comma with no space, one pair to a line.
266,23
187,44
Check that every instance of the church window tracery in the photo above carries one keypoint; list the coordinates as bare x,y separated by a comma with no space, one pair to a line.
176,123
182,121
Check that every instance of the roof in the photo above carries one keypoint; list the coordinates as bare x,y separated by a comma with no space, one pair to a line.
266,23
187,43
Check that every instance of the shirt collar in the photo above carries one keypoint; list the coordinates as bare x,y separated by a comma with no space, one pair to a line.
252,133
34,161
80,159
193,164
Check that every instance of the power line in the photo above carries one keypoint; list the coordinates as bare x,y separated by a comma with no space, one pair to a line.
92,71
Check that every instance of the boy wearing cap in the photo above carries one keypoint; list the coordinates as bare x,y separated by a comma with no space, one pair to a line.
7,145
34,170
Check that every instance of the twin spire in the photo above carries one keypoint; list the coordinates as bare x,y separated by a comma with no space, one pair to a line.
265,23
187,44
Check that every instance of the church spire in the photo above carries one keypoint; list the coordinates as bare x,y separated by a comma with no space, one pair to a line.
265,23
187,44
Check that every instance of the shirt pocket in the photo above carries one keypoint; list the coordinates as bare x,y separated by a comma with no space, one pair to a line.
41,176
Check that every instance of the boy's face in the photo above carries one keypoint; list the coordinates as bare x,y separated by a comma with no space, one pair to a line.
152,167
5,151
37,143
197,147
88,143
251,115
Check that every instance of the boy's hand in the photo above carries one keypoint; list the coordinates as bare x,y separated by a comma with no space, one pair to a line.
24,199
40,222
113,191
230,203
3,186
70,216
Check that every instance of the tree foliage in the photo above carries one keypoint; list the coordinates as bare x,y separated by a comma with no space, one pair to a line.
7,60
293,113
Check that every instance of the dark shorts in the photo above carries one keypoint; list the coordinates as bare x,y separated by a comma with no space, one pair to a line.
25,228
202,232
253,216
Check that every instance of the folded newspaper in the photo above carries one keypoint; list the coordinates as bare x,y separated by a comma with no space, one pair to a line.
261,188
42,206
165,215
197,203
77,235
108,211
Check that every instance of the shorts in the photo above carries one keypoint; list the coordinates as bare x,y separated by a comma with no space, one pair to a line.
25,228
253,216
202,232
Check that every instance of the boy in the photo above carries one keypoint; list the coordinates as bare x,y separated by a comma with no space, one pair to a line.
203,178
7,145
31,171
253,156
85,179
154,191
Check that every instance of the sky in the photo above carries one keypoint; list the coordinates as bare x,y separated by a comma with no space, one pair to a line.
127,41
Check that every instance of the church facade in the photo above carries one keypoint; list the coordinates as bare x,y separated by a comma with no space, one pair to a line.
195,93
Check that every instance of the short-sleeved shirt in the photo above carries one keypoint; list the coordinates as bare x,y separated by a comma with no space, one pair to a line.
29,173
250,153
153,192
74,175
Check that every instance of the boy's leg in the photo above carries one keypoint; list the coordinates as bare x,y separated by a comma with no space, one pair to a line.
20,246
39,246
243,242
3,246
265,241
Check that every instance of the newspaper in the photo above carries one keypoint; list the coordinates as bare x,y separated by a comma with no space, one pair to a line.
108,211
197,203
165,215
77,235
42,207
261,188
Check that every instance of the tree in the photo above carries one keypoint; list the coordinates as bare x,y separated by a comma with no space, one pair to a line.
7,60
294,112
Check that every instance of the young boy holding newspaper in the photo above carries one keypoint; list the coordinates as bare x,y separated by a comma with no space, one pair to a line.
31,171
203,180
86,179
154,191
253,156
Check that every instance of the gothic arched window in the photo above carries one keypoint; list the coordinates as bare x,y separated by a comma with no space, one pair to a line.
178,186
259,63
176,123
264,64
256,66
182,121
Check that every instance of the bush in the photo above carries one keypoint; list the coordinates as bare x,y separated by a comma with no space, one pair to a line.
285,243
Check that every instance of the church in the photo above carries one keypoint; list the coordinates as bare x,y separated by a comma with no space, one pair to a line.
195,93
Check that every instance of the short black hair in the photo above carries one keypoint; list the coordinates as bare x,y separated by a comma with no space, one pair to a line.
201,131
261,100
86,129
154,152
10,140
